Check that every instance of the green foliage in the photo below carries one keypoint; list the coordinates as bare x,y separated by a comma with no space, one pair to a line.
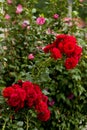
16,43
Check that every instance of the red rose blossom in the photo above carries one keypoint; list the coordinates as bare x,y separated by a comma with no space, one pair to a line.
44,116
42,110
69,48
71,63
41,106
27,85
77,52
38,92
55,53
7,92
48,48
44,98
17,99
60,37
16,86
31,97
69,38
61,46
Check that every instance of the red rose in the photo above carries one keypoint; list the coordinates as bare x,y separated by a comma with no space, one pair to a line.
60,38
60,46
27,85
14,100
20,82
48,48
44,98
69,48
55,53
37,89
77,52
31,97
70,63
69,38
42,111
38,92
44,116
22,94
41,106
7,92
17,98
15,86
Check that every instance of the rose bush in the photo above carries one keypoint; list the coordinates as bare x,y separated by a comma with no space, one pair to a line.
43,55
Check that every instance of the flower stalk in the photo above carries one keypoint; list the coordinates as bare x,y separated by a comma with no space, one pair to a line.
3,128
27,122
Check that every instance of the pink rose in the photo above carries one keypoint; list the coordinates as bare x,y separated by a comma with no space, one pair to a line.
49,31
28,27
81,0
39,47
25,23
40,20
9,1
19,9
55,16
67,19
7,16
31,56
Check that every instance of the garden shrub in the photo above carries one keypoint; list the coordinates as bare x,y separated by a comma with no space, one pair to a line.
28,54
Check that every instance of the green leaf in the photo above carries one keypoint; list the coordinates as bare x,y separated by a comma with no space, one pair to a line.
20,123
45,92
34,10
20,129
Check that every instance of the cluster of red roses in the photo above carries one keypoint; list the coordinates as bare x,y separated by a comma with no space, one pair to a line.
65,45
27,94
